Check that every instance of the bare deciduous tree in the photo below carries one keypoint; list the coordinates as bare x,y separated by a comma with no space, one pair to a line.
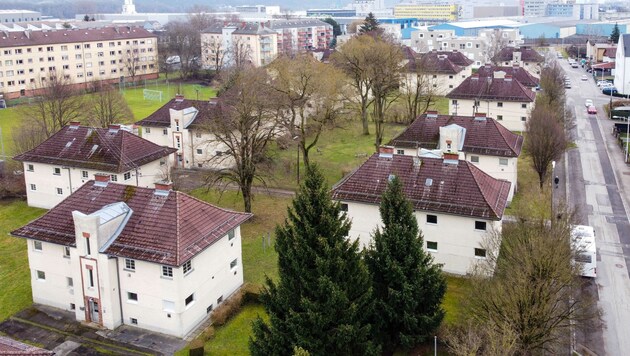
107,106
244,121
131,61
552,83
417,90
546,139
494,45
215,53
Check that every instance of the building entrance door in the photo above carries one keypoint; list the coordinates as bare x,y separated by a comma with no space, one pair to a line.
94,316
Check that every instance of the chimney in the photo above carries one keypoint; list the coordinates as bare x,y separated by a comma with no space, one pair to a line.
499,74
488,65
516,65
386,152
450,158
474,76
74,125
179,98
417,162
101,179
113,128
432,114
480,116
163,188
441,57
508,78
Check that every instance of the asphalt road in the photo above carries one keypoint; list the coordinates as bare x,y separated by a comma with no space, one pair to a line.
598,185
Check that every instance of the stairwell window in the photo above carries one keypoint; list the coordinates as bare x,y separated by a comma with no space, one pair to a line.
187,267
130,265
127,175
167,271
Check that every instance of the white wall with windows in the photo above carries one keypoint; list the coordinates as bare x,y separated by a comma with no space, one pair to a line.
512,115
455,241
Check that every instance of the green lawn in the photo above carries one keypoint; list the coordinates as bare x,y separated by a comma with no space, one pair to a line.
142,108
455,293
232,339
9,119
15,280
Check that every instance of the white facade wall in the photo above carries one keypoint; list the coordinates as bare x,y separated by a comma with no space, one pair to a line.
512,115
455,235
54,290
47,183
261,49
622,67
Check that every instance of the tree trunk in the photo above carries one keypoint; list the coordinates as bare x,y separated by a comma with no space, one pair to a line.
305,157
364,120
246,190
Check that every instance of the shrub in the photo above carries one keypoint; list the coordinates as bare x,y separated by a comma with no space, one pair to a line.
228,309
251,293
196,348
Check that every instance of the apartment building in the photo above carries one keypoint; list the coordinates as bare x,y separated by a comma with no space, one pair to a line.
297,35
226,44
29,58
430,12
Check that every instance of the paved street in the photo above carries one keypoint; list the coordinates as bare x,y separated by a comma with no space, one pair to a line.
598,186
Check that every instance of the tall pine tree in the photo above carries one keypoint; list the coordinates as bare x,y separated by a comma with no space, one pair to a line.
323,300
408,286
370,25
614,36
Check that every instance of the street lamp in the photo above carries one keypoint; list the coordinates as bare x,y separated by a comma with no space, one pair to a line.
298,158
556,180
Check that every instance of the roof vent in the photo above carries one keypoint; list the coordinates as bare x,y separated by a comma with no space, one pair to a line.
113,129
386,152
432,114
93,150
101,179
179,98
163,188
480,116
428,182
74,125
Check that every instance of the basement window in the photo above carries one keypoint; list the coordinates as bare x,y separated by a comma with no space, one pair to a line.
480,253
343,206
432,245
133,321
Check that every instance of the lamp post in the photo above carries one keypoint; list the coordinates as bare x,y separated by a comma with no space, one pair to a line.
556,180
298,158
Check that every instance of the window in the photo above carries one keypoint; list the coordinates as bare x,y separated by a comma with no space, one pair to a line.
231,235
57,171
41,275
165,131
162,162
480,253
84,174
88,251
130,265
37,245
87,45
450,77
400,152
30,168
33,187
187,267
499,104
49,49
133,321
72,306
209,309
198,134
66,252
503,161
343,207
199,151
431,219
114,178
168,306
219,300
523,106
167,271
454,102
132,297
127,175
432,245
147,130
474,159
190,299
480,225
64,48
59,191
523,118
69,282
234,263
499,117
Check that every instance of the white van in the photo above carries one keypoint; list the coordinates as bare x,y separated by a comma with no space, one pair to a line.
583,240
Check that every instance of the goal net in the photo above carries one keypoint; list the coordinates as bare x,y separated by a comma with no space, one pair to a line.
152,94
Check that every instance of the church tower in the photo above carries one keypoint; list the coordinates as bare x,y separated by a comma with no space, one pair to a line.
128,7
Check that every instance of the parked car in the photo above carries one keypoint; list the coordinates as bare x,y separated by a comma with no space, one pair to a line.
601,83
567,85
575,65
173,60
584,78
609,91
591,110
588,103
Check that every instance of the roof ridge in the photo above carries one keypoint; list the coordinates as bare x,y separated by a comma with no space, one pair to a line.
503,132
475,172
177,228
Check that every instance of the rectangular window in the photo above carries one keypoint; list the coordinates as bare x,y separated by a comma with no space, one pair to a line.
133,321
88,251
66,252
523,106
33,187
69,282
343,207
64,48
231,234
167,271
37,245
400,152
84,174
523,118
499,117
41,275
90,278
474,159
234,263
499,104
480,253
114,178
165,132
130,265
147,130
57,171
189,299
127,175
450,77
187,267
132,297
432,245
454,101
59,191
72,306
480,225
219,300
199,151
209,309
30,168
198,134
431,219
503,161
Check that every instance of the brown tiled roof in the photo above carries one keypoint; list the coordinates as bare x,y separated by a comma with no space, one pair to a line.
458,58
438,64
161,117
168,228
40,38
15,348
483,136
610,52
517,72
504,89
106,150
458,189
527,54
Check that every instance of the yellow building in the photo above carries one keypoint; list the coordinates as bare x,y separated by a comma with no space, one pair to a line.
427,12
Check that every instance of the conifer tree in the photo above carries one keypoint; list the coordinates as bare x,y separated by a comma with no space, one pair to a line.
322,302
370,25
408,286
614,36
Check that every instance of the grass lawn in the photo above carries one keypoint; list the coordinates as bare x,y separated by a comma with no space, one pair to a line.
233,338
15,280
455,293
142,108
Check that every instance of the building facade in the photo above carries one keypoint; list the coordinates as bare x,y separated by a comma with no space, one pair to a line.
178,125
443,70
455,203
429,12
525,57
150,258
13,16
622,64
70,158
110,54
233,43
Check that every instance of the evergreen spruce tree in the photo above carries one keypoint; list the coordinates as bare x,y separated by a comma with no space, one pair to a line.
322,302
614,36
408,286
370,25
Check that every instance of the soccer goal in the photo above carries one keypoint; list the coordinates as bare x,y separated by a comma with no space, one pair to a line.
152,94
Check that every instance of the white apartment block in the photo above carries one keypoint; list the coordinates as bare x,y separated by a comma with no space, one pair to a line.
179,125
70,158
151,258
235,43
111,54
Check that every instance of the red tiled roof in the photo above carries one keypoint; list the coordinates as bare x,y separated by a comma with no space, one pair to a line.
162,117
607,65
458,58
476,88
40,38
167,229
435,63
527,54
517,72
96,148
485,136
610,52
15,348
458,189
